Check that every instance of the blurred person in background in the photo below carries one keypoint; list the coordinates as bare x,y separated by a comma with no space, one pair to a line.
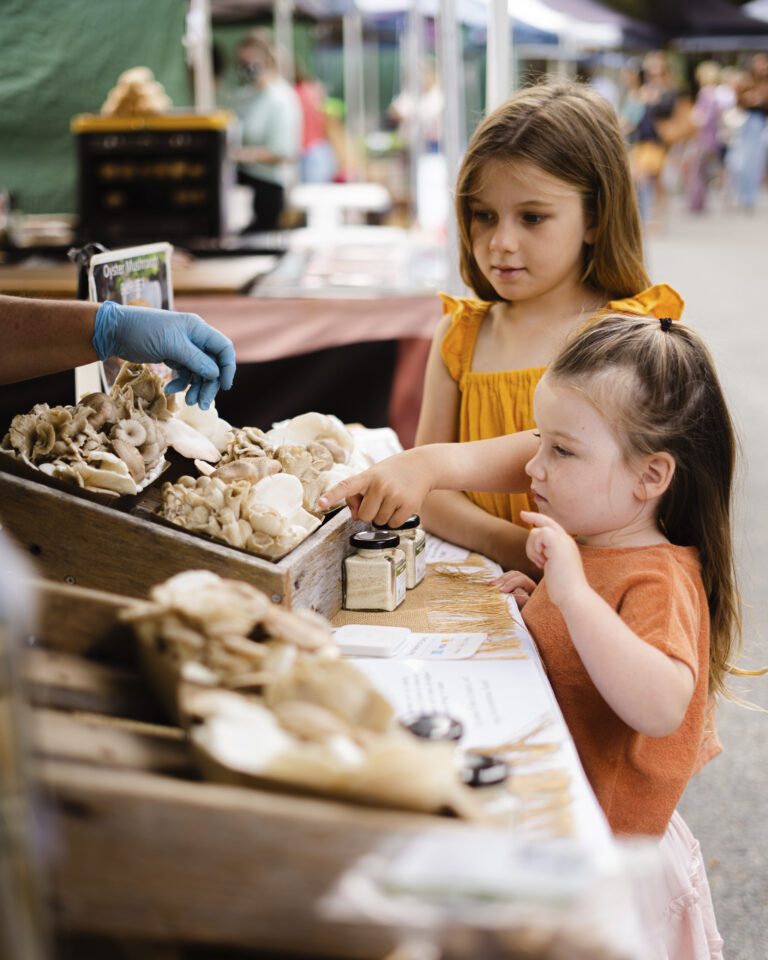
427,109
318,158
656,130
271,122
748,153
630,106
704,152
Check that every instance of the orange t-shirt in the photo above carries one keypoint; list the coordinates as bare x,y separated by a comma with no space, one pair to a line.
658,592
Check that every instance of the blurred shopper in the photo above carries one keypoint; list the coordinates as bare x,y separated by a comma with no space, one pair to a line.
748,153
419,122
318,158
426,110
654,134
631,107
271,122
704,154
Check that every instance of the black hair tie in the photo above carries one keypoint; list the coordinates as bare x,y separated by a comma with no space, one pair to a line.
666,324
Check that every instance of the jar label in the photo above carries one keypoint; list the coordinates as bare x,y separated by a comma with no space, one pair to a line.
400,581
420,560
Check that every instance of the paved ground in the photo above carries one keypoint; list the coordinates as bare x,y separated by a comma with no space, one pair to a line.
719,262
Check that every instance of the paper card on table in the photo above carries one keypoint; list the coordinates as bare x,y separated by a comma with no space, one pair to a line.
441,646
494,700
362,640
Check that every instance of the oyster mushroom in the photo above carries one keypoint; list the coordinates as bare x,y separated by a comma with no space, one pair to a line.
131,432
188,442
309,721
336,451
322,458
21,434
102,409
132,459
252,469
44,438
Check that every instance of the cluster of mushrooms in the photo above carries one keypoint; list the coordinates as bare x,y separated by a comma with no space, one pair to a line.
114,443
136,93
255,491
261,494
266,698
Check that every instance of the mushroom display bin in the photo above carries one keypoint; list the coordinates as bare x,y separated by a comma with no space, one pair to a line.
142,851
77,541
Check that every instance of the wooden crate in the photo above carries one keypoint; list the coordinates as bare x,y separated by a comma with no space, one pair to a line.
147,852
89,544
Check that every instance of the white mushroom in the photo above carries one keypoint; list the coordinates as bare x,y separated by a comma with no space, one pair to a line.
188,442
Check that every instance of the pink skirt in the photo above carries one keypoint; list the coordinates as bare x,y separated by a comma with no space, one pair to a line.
688,930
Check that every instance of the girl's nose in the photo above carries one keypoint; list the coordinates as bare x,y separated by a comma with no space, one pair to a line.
534,467
504,239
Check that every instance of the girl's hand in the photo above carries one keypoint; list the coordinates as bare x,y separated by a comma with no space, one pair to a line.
516,583
389,492
556,553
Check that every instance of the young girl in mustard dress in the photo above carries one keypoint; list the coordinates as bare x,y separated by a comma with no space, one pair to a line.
549,233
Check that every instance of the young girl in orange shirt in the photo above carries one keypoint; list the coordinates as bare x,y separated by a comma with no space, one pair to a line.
637,617
549,232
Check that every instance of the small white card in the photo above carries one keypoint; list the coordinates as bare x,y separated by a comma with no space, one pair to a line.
402,644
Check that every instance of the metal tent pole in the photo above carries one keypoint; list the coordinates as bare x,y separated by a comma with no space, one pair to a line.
450,65
197,40
411,84
499,45
282,15
352,33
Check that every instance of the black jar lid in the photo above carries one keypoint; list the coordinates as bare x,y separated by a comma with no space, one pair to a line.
482,770
374,540
409,524
434,726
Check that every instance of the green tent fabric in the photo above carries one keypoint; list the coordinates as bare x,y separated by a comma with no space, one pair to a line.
60,59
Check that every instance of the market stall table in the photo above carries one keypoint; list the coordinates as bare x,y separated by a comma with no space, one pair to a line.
147,853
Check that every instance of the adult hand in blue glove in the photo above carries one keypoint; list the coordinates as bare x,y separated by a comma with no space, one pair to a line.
202,358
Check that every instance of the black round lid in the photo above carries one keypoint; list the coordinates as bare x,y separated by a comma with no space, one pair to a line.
409,524
374,540
434,726
481,770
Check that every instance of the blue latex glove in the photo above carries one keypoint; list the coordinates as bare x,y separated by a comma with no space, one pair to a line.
202,358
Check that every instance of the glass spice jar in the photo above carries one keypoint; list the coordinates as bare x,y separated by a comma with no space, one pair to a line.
413,540
374,576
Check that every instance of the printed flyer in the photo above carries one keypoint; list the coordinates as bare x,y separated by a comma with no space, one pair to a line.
137,277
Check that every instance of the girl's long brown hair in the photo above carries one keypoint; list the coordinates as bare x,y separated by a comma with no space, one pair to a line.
659,389
570,132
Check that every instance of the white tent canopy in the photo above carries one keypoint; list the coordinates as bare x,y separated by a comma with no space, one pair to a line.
533,13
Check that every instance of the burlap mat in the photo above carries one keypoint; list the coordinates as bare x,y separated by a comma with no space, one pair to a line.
452,598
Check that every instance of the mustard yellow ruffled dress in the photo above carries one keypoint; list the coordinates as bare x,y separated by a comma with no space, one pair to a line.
500,402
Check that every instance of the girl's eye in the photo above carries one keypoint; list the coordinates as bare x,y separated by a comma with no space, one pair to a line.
533,219
561,451
482,216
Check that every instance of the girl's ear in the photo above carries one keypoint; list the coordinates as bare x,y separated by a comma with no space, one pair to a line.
656,475
589,236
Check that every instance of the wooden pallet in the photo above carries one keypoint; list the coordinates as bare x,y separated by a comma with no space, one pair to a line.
147,852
